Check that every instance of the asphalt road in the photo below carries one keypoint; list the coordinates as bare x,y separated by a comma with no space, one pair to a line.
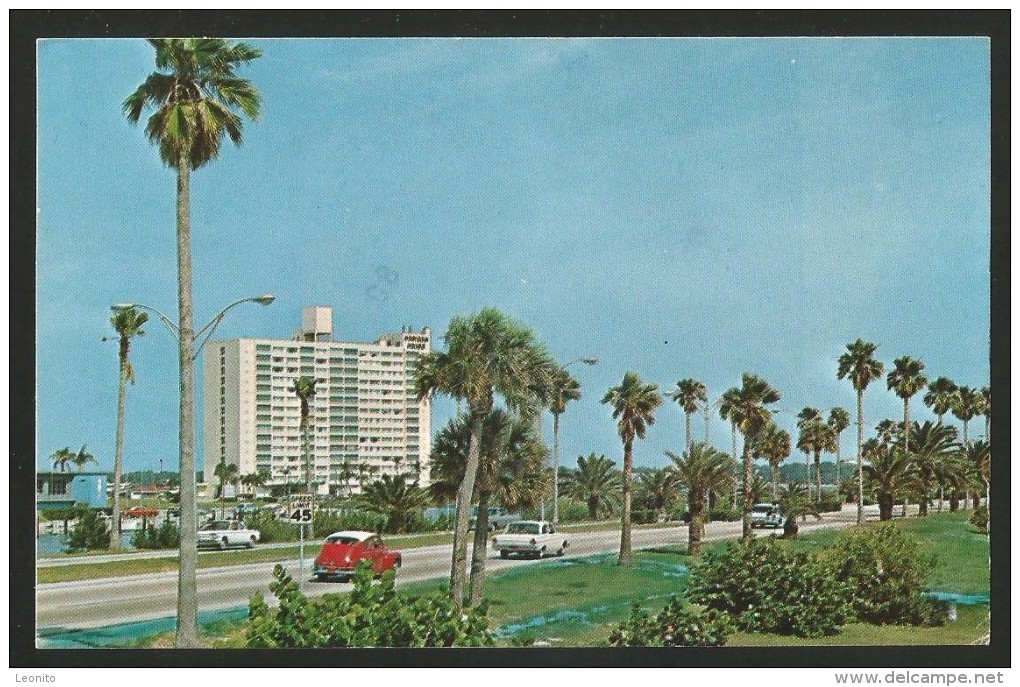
110,601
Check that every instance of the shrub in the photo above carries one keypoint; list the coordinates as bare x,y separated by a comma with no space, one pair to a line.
572,510
272,529
830,502
368,521
166,536
90,531
370,616
765,588
979,518
887,571
724,512
679,624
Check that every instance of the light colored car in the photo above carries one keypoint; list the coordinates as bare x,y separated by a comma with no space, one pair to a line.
766,515
498,519
222,534
534,538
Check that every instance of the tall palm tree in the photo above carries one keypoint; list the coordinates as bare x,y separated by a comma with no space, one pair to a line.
304,389
488,355
700,469
128,323
839,420
727,407
968,403
399,501
810,436
634,404
932,444
940,396
747,410
61,457
890,469
859,365
83,458
254,480
691,395
906,379
196,98
565,389
596,482
773,444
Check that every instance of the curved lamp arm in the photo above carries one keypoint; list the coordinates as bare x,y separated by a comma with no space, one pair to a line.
207,329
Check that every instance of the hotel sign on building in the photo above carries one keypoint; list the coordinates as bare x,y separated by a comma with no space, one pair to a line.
365,420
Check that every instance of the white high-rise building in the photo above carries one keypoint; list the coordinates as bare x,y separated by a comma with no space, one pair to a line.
365,419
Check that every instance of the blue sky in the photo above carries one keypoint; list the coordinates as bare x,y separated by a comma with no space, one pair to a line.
677,207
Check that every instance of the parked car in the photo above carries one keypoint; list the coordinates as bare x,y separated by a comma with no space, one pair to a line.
342,551
498,519
222,534
530,537
766,515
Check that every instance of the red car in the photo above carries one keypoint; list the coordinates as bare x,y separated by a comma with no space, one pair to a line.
343,550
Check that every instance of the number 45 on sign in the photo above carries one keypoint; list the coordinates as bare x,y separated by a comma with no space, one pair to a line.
301,511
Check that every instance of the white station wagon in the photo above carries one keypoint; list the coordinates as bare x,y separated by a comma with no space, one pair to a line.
535,538
221,534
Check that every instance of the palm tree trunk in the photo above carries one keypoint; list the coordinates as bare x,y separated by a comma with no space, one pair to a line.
706,422
922,509
695,527
458,566
479,549
748,496
593,507
860,460
556,469
306,449
886,501
628,470
775,481
966,441
818,476
839,459
118,453
689,431
807,475
187,581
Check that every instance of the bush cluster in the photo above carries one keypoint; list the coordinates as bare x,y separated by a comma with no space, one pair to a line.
763,587
370,616
679,624
166,536
886,571
90,531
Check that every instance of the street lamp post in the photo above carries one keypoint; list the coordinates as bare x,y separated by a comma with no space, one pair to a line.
187,587
590,360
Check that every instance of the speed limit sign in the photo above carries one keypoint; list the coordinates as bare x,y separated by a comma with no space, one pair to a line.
300,510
